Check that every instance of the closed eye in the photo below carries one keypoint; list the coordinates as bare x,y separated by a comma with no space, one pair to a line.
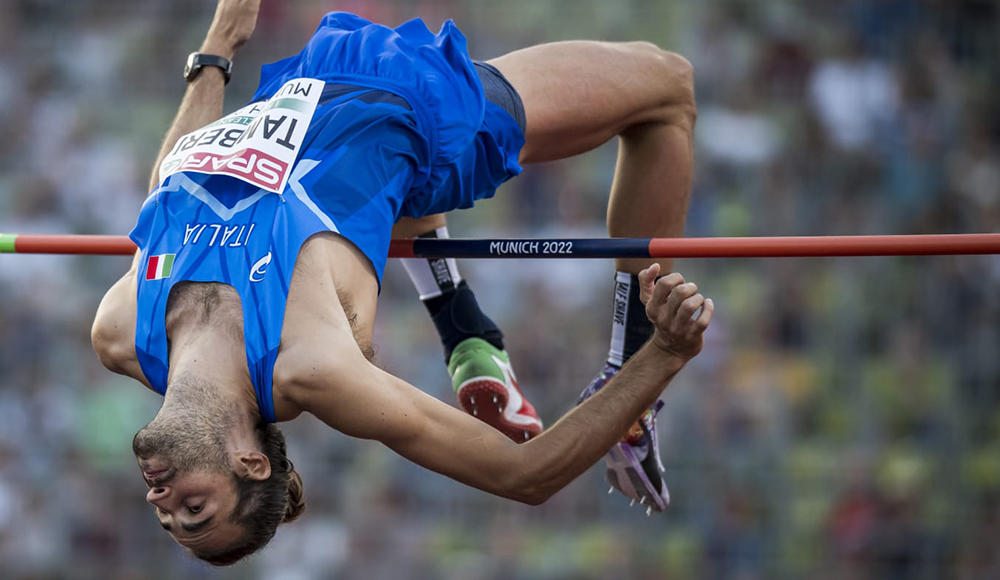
189,526
194,527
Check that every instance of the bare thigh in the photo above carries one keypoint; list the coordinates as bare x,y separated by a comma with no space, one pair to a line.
579,94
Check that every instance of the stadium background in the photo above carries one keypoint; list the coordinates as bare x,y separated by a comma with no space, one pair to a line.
842,422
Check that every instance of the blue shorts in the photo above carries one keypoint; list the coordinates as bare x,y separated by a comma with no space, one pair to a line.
500,92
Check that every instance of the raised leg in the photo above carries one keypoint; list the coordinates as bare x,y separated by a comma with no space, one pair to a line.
473,345
578,95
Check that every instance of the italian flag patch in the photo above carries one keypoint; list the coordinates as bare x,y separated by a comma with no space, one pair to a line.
159,266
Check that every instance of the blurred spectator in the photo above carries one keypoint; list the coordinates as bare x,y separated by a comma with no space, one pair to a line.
855,96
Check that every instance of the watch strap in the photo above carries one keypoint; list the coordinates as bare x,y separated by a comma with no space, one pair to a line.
197,60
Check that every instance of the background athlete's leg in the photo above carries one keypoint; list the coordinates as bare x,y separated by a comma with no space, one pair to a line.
577,95
473,344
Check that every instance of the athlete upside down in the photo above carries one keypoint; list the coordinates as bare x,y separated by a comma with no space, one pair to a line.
262,246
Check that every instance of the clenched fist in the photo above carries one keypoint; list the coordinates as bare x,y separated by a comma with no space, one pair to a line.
673,306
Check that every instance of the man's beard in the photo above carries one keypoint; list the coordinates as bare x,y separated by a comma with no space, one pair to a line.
189,433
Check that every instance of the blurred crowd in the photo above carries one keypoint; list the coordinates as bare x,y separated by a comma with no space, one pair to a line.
843,421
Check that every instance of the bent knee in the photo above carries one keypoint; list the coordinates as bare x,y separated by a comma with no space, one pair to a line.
672,77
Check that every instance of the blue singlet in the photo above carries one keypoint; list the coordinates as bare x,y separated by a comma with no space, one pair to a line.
400,128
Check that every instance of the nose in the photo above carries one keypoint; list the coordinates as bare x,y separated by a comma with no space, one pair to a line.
159,496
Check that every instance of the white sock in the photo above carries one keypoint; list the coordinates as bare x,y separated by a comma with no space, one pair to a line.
433,277
630,328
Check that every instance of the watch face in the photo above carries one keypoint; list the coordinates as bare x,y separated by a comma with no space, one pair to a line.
188,67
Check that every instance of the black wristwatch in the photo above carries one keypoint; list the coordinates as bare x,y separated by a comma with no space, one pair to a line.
197,60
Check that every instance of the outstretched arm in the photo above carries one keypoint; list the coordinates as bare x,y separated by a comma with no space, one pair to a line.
231,27
363,401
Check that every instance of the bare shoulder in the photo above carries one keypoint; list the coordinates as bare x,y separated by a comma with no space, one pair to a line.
317,366
329,316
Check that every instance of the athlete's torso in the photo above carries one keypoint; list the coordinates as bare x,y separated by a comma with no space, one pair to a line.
332,296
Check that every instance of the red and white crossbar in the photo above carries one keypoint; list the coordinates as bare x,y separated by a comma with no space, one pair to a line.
761,247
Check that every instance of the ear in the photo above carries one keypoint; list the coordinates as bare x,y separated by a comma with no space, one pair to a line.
251,465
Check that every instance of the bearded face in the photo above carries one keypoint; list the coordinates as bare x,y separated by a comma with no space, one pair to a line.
187,435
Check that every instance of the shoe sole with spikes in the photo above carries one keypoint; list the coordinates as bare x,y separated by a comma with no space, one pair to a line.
487,389
633,464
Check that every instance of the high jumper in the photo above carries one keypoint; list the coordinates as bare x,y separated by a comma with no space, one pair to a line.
263,241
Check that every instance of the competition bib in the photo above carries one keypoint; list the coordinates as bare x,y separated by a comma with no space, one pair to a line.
258,143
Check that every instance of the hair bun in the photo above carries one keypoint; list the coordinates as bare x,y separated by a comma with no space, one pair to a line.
296,496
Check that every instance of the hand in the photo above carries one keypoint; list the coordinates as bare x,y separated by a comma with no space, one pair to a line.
231,27
671,304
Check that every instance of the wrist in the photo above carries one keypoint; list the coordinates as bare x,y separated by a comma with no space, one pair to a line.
210,74
218,47
199,61
664,348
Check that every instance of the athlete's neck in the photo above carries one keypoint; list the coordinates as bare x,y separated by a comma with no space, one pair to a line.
215,355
